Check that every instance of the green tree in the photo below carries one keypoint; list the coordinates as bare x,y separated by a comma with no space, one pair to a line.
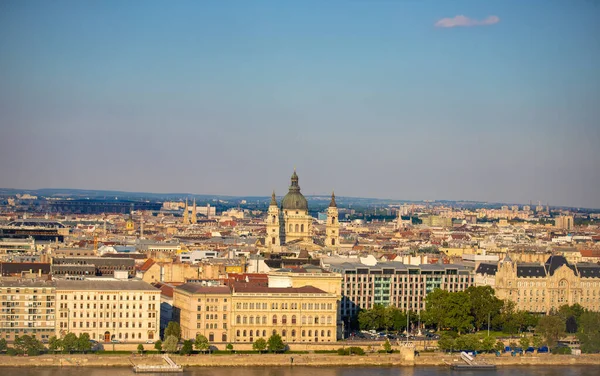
484,304
468,342
436,304
201,343
170,344
387,346
186,349
83,343
570,315
589,332
3,345
158,345
524,342
173,329
536,341
551,328
275,343
487,344
54,344
70,343
229,347
458,310
259,345
447,342
29,345
500,346
140,349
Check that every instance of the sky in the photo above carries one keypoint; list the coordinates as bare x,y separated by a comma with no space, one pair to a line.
495,100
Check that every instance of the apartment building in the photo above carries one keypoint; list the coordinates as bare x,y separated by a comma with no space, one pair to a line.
393,283
27,308
125,311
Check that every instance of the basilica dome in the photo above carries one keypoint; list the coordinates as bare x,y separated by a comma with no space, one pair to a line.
294,200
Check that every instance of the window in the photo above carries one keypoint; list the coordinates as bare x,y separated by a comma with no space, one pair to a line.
274,319
293,319
284,319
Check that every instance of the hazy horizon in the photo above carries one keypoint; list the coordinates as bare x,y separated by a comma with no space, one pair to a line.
493,101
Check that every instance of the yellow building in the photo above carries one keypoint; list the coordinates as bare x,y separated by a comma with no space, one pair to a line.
126,311
244,313
27,308
537,287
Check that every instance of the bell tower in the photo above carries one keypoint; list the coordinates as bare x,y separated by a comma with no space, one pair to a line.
273,238
332,228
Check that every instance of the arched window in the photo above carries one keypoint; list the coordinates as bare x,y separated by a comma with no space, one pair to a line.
264,333
293,332
332,241
273,219
251,320
297,227
322,333
329,333
284,319
332,220
293,319
310,320
274,319
238,319
237,333
251,333
302,227
310,333
291,227
244,333
284,333
304,333
245,320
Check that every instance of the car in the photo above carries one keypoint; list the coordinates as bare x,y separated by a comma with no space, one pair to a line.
115,341
149,341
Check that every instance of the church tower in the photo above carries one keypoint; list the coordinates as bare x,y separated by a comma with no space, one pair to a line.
273,238
297,222
332,229
186,218
194,217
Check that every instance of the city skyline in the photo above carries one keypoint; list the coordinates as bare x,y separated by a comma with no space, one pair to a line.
484,101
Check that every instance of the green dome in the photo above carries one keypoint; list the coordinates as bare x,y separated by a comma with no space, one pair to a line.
294,200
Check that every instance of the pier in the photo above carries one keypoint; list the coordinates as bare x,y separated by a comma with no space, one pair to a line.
170,367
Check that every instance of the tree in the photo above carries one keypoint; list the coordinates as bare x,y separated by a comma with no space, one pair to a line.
173,329
158,345
524,342
275,343
140,349
201,343
29,345
70,343
229,347
54,344
170,344
536,341
487,344
446,342
3,345
83,343
499,346
551,328
436,304
589,332
259,345
387,346
570,315
458,308
484,305
186,349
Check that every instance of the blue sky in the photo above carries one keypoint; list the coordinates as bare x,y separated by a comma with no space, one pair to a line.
368,97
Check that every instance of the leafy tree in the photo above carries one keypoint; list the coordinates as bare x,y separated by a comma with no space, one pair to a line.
458,310
173,329
536,341
54,344
275,343
468,342
487,344
387,346
500,346
447,342
551,328
201,343
229,347
170,344
70,343
140,349
158,345
436,304
484,304
570,315
259,345
186,349
3,345
524,342
589,332
29,345
83,343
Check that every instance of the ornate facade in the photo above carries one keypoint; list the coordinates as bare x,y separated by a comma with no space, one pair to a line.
537,287
291,222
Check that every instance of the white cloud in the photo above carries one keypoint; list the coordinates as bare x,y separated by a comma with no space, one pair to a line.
465,21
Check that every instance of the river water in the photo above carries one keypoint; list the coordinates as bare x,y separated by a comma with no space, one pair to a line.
313,371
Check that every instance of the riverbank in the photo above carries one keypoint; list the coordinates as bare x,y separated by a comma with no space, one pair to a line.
320,360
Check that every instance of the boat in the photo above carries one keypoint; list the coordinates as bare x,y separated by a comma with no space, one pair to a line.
470,364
